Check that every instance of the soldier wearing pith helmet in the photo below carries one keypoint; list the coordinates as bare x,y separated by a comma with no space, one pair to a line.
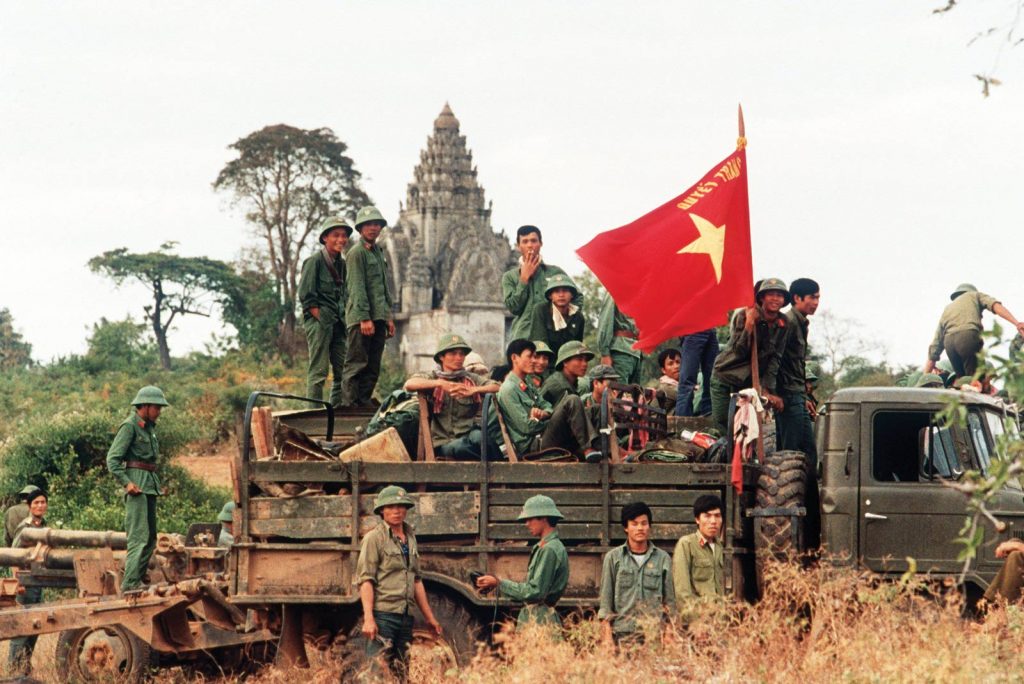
547,574
132,460
390,586
322,292
960,326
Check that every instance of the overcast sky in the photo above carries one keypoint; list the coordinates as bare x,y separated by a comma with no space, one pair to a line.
875,165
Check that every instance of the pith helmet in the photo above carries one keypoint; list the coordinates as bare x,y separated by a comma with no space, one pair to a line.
543,348
448,342
332,222
603,372
392,495
560,280
150,394
961,288
539,506
776,284
29,492
945,366
367,214
474,360
227,513
810,376
930,380
570,349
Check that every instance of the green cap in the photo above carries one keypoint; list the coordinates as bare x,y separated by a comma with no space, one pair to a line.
930,380
227,512
150,394
543,348
392,495
603,372
450,341
773,284
570,349
332,222
961,288
367,214
539,506
560,280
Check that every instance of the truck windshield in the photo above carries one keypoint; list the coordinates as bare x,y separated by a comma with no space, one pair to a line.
1000,431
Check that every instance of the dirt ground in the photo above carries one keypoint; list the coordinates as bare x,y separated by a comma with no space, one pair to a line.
213,467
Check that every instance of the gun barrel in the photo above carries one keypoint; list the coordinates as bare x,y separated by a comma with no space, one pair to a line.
53,559
72,538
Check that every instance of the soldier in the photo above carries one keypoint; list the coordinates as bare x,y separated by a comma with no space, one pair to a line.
18,512
476,364
697,562
1010,578
390,586
322,294
547,573
697,355
636,579
557,320
571,365
455,400
931,380
524,287
600,377
795,432
668,383
543,358
532,422
226,518
132,460
732,370
960,325
367,310
616,335
19,655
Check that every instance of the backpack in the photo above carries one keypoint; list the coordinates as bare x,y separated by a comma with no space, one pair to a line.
400,410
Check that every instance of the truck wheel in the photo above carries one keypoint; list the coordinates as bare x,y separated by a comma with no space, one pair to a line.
781,484
103,654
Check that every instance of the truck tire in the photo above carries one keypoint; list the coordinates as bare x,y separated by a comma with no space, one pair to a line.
781,484
103,654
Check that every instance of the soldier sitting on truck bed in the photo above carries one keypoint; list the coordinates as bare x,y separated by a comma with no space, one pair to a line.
19,656
668,384
571,365
455,400
543,360
697,562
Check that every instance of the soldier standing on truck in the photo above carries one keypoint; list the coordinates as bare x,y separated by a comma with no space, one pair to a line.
390,586
636,580
732,371
795,432
522,288
960,325
558,321
698,565
322,294
368,313
132,460
19,657
616,335
547,574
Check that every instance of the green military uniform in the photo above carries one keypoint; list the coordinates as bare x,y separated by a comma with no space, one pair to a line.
591,405
369,299
19,654
632,588
795,431
558,384
616,335
454,423
671,392
550,325
521,299
322,286
556,387
566,427
698,569
12,518
1009,580
547,573
226,517
133,457
959,330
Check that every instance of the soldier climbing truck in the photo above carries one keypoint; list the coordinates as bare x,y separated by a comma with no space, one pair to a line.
287,582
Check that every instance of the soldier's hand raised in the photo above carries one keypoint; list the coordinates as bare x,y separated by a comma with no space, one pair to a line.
530,263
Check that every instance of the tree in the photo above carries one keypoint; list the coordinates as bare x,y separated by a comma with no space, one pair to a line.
180,285
287,180
15,352
1005,32
839,344
118,345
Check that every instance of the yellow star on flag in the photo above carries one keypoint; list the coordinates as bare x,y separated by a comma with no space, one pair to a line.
710,242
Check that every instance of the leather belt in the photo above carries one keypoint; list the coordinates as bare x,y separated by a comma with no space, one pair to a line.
625,333
142,465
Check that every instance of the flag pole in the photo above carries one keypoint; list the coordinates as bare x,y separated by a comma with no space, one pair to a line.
755,371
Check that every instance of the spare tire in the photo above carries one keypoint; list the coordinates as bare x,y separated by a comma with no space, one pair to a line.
781,484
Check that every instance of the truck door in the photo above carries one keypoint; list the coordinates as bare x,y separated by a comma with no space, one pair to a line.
904,508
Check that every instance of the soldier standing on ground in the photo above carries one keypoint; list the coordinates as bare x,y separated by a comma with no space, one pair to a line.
571,365
698,565
368,313
697,355
616,335
557,320
522,288
547,574
794,421
19,656
132,460
14,515
322,294
960,325
390,586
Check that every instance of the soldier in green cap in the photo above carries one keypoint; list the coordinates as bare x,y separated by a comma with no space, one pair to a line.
616,335
732,370
322,293
18,512
390,586
557,320
571,365
523,287
226,518
543,361
960,325
132,460
368,315
455,400
547,573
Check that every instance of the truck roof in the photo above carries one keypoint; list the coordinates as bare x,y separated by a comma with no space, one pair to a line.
912,395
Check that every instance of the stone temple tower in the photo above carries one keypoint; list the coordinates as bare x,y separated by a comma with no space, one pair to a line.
446,259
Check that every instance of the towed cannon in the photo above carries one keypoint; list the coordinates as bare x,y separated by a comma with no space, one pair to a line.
50,536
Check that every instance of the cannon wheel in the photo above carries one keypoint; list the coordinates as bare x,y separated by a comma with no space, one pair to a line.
103,654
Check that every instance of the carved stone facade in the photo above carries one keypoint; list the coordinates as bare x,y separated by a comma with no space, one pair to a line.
446,259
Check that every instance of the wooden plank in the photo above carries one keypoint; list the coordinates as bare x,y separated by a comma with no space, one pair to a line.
297,471
546,473
589,531
262,447
592,497
581,497
662,497
666,532
573,514
629,474
416,473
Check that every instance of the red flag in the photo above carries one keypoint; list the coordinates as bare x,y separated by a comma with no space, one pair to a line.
682,267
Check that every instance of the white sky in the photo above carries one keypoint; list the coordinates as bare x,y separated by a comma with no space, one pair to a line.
875,165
